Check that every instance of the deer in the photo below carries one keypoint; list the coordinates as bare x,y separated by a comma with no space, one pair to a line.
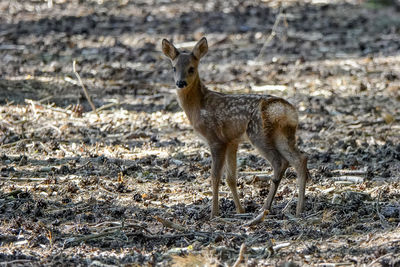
226,120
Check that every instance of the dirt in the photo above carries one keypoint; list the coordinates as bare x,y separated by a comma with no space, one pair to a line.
130,186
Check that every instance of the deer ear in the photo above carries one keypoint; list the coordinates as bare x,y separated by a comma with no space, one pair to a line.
169,49
200,48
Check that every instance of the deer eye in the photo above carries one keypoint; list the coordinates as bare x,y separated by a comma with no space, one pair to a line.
191,70
174,69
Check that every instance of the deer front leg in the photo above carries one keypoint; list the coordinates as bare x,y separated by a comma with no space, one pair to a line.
218,158
231,175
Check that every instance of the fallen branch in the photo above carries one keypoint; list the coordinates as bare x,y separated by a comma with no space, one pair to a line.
268,87
108,106
45,99
83,87
280,246
243,215
353,179
370,123
90,237
170,224
24,179
260,218
255,172
35,104
240,256
11,263
363,171
334,264
15,143
260,176
12,47
221,220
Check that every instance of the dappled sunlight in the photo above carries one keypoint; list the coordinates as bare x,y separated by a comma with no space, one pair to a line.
129,183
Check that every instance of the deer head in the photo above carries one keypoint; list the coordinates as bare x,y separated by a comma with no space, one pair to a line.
185,64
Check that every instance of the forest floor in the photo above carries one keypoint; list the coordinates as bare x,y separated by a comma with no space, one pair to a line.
102,190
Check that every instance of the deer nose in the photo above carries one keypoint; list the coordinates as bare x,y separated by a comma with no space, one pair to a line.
181,84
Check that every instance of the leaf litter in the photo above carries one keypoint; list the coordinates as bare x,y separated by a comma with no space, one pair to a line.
131,186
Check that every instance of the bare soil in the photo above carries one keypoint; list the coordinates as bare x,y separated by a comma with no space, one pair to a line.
130,186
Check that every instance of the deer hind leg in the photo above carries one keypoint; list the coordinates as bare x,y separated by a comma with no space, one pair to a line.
231,169
279,164
279,122
285,141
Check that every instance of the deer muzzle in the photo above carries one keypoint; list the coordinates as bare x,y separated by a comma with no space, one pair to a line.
181,84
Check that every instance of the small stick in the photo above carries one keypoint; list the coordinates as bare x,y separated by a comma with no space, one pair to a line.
170,224
107,106
255,172
381,217
15,143
23,179
83,87
90,237
369,123
353,179
289,202
260,218
334,264
272,34
351,172
243,215
45,99
6,263
241,255
219,219
280,246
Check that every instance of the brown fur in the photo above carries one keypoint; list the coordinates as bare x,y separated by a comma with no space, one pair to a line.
226,120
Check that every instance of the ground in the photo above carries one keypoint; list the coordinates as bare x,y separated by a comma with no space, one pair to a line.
129,185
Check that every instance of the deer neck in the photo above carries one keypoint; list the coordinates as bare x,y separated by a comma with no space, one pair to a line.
191,98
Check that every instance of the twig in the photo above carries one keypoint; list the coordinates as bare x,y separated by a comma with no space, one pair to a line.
15,143
241,255
271,35
257,176
170,224
90,237
243,215
255,172
45,99
381,217
12,47
221,220
83,87
11,263
76,208
333,264
37,103
260,218
24,179
122,225
353,179
370,123
363,171
280,246
161,236
108,106
289,202
378,259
